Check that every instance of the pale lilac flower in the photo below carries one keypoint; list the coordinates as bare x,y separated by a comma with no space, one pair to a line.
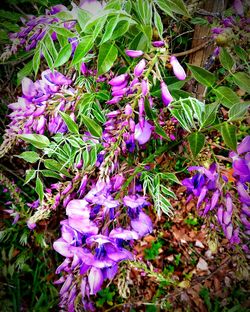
142,135
95,280
238,7
177,68
134,53
165,94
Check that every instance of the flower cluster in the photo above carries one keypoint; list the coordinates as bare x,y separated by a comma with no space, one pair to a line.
38,107
95,237
209,186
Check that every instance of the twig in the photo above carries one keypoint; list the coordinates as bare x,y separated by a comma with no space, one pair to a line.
193,50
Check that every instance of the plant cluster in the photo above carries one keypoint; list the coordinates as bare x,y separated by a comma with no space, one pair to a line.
103,104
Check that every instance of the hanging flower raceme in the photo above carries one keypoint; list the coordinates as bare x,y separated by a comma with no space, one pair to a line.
206,186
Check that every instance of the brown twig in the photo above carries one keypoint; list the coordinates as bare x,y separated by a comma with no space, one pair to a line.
193,50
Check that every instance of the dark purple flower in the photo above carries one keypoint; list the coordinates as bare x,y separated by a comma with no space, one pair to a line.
158,44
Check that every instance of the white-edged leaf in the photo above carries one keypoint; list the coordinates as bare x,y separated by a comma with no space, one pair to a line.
92,126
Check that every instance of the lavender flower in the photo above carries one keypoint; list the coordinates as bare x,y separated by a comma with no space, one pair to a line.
134,53
177,68
139,68
165,94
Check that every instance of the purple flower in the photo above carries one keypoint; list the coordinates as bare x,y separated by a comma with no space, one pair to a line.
142,224
142,135
177,68
244,146
139,68
55,78
238,7
117,81
158,44
165,94
95,280
134,53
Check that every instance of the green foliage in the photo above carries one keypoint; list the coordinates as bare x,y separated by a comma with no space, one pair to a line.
105,296
106,57
152,252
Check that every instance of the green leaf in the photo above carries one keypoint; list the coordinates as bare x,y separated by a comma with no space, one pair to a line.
144,11
31,157
36,61
158,23
99,25
63,55
106,58
148,110
82,17
209,114
110,27
178,7
226,96
50,46
63,32
24,72
196,142
37,140
47,56
82,49
242,54
39,188
242,80
50,174
229,135
179,116
120,29
72,126
170,176
159,130
164,6
52,164
30,174
238,110
92,126
226,59
202,75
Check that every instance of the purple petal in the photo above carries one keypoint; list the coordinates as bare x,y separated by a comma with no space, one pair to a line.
62,247
134,53
95,280
215,199
110,273
78,207
238,7
117,81
28,88
177,68
66,285
165,94
227,217
158,44
134,202
220,214
244,196
139,68
142,136
244,146
123,234
142,225
202,196
228,230
245,210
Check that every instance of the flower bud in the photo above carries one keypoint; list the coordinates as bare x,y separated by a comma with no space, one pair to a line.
118,80
134,53
158,44
165,94
177,68
139,68
144,87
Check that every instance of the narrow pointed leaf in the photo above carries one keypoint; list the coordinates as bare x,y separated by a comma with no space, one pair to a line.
37,140
63,55
72,126
229,135
92,126
107,55
196,142
202,75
